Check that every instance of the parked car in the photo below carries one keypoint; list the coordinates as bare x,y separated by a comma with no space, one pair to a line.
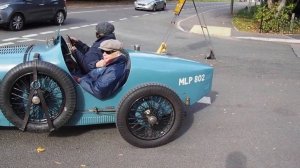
152,5
14,14
38,93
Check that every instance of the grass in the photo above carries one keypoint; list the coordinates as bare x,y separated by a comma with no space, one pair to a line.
244,20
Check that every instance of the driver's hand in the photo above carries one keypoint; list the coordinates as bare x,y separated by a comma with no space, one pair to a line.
101,63
73,40
73,49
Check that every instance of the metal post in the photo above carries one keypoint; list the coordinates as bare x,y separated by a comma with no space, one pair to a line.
207,39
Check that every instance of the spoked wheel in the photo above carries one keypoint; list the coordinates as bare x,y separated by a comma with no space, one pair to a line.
37,96
59,18
16,23
150,116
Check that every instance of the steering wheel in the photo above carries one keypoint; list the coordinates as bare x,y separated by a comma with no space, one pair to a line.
69,58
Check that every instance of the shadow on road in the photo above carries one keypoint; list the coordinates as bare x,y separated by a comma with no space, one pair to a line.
69,131
195,108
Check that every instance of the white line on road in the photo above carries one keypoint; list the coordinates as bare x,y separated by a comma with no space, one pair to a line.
101,10
123,19
5,44
29,35
85,26
271,39
47,32
26,40
76,27
63,30
11,39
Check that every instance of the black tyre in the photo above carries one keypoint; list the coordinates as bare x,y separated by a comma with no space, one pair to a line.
16,22
59,18
20,94
164,7
154,8
150,116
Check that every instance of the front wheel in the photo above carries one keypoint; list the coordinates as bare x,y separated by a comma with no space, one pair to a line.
37,96
150,116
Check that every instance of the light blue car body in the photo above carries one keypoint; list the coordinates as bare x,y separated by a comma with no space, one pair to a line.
190,80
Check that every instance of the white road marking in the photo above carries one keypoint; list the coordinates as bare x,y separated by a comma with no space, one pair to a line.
29,35
271,39
63,30
26,40
47,32
11,39
123,19
85,26
5,44
101,10
72,28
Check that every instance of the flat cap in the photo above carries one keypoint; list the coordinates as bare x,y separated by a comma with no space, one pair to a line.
109,45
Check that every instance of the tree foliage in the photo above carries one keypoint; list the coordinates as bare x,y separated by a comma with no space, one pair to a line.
272,19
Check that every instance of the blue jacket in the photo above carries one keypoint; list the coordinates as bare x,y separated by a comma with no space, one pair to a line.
87,56
102,82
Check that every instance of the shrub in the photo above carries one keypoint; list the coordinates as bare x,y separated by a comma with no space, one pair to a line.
273,21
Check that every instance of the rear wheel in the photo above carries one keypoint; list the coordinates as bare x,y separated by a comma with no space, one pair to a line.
16,22
150,116
37,96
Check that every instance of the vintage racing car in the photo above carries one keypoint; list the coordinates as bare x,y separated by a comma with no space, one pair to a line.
38,93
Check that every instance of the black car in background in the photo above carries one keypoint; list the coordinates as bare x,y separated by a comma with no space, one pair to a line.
14,14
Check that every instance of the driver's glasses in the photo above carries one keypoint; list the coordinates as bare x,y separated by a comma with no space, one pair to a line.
108,52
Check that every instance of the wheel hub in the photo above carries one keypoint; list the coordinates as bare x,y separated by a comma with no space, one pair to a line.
36,100
151,118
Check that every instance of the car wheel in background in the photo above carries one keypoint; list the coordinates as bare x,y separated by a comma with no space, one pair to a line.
37,96
16,22
164,7
59,18
154,8
150,116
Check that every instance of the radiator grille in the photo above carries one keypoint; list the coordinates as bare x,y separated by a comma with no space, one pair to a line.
13,49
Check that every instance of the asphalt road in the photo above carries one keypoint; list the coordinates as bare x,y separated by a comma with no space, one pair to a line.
253,121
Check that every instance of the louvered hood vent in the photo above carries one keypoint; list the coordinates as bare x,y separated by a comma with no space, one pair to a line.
13,49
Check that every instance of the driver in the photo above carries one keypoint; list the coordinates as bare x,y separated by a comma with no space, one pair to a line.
86,56
103,81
